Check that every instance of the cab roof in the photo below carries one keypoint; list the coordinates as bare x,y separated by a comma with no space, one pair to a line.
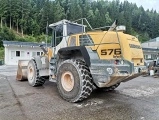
64,21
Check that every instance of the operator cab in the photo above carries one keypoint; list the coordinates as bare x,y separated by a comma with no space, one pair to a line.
62,30
67,27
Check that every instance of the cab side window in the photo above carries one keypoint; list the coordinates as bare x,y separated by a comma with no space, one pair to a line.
72,41
85,40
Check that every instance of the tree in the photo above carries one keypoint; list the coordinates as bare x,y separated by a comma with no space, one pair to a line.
32,17
75,10
3,11
59,12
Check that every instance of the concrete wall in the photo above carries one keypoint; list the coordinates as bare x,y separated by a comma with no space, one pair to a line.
26,53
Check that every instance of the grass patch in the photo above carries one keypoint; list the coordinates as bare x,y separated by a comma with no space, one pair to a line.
1,54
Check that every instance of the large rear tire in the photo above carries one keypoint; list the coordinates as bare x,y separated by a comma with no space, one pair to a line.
74,81
33,74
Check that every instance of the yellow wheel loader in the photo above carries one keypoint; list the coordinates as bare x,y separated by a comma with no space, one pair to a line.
82,60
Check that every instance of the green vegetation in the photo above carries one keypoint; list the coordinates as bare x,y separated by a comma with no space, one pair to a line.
26,20
1,53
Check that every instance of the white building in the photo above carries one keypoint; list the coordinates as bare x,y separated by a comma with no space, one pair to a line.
151,49
15,51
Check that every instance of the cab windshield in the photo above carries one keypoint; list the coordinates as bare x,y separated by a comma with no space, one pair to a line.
73,29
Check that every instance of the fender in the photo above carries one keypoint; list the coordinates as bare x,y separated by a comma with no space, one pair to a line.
42,64
77,50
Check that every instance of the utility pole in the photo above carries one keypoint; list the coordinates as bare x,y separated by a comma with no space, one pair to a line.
46,36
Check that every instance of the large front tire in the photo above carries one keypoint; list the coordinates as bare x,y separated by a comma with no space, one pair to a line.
33,74
74,81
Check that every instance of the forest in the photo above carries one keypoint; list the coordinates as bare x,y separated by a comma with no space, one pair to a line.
26,20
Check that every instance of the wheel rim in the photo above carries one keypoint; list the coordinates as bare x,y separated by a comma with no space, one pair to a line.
31,74
67,81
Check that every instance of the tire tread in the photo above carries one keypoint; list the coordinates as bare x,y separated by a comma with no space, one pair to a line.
86,80
38,80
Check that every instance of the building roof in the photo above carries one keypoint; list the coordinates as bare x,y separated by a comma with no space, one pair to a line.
17,43
153,40
150,49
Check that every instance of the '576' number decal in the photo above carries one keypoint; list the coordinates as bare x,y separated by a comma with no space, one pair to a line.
111,51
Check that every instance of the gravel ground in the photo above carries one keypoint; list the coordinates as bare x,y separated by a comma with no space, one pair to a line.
137,99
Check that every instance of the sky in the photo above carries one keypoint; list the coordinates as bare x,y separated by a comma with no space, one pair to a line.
147,4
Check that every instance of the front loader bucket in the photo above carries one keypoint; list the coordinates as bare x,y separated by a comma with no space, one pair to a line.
22,70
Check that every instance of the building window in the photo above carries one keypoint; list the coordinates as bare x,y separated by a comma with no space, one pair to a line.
153,56
85,40
17,53
41,53
38,53
146,57
149,57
